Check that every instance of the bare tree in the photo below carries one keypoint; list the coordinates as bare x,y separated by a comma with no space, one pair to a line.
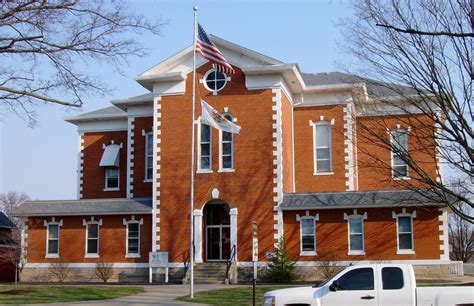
461,237
59,270
50,49
11,200
104,270
420,53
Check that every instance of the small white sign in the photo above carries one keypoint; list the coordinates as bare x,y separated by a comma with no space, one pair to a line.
158,259
255,250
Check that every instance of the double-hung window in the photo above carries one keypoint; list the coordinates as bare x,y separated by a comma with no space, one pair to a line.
92,239
52,249
405,233
227,148
308,236
112,178
133,239
399,139
149,156
322,148
356,235
205,148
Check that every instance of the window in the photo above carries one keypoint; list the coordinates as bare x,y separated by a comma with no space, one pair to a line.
205,147
308,235
399,140
92,237
53,239
111,178
227,148
215,81
133,238
357,279
405,233
392,278
148,156
356,234
322,148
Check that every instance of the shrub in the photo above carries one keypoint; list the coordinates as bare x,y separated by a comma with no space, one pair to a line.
281,268
59,270
328,266
104,270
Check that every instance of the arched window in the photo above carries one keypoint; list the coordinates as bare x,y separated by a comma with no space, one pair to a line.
205,148
227,148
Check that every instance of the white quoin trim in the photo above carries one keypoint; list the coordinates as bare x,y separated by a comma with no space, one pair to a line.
277,164
349,147
130,155
80,165
444,238
156,173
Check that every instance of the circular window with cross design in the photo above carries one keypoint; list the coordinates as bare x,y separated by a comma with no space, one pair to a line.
215,80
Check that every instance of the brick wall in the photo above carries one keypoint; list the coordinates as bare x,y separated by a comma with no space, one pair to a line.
141,188
72,238
287,128
379,231
93,183
306,181
249,188
374,160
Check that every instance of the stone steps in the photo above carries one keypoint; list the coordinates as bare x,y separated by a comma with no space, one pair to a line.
210,273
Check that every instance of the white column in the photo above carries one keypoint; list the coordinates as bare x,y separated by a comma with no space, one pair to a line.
198,235
233,229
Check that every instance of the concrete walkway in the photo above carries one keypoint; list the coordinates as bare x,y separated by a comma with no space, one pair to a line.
155,295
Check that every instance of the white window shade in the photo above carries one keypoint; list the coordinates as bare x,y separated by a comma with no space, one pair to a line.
110,158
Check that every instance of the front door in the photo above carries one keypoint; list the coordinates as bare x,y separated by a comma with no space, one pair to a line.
217,229
218,242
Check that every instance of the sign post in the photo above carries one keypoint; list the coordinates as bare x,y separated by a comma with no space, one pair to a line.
157,260
254,256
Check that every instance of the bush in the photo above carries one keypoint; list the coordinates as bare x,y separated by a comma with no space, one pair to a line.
328,265
59,270
104,270
281,269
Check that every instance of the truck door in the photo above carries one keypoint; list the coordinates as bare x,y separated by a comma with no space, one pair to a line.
395,288
355,287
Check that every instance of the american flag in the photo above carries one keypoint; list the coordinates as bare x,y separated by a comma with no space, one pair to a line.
209,51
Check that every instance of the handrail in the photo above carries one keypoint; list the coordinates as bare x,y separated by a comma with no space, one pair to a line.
230,260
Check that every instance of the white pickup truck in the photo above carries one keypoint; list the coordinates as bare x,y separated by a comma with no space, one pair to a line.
370,285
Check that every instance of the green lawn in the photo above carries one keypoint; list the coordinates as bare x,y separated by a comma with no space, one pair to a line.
232,296
33,294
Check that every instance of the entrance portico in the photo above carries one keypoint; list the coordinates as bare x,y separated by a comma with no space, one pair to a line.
216,235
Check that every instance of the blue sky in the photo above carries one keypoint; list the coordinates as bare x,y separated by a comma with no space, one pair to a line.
42,161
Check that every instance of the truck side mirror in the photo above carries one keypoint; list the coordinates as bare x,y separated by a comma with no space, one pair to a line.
334,286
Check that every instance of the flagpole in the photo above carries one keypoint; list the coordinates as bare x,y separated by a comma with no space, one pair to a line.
191,225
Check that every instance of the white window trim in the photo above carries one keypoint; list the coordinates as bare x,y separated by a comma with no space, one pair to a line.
348,218
118,180
86,224
412,216
204,82
398,178
126,223
148,180
221,162
313,124
47,224
307,217
199,170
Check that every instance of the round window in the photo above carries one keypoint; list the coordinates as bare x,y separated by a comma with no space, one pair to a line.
215,80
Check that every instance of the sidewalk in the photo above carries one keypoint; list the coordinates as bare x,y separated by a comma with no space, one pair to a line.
154,295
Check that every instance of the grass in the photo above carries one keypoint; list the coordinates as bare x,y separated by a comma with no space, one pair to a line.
34,294
232,296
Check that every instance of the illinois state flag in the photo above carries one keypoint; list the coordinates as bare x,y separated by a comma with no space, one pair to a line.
213,118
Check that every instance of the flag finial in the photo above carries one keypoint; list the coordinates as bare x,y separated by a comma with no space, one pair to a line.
195,8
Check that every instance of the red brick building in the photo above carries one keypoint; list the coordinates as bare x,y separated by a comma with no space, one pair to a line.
296,168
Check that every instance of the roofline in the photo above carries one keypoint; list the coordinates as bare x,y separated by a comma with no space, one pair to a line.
148,80
361,206
77,119
67,214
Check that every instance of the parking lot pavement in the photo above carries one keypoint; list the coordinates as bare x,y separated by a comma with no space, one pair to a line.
154,295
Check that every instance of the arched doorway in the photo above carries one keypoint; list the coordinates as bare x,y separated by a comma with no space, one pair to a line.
217,229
